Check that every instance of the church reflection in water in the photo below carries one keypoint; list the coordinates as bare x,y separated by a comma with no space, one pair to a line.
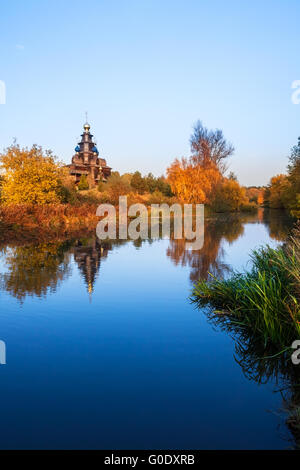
87,255
37,270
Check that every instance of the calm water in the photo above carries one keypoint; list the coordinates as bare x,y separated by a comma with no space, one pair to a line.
104,349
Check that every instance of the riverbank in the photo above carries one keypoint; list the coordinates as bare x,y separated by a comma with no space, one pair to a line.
34,222
29,222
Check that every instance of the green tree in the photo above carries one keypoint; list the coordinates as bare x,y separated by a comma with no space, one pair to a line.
151,183
83,183
138,183
163,186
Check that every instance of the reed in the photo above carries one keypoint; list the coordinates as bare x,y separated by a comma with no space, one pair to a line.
265,299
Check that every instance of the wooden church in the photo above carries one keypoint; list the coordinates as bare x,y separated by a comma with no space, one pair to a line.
86,161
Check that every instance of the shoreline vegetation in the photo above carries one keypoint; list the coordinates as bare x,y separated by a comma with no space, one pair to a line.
265,299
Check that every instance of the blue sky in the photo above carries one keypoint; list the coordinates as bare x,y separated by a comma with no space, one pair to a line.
146,71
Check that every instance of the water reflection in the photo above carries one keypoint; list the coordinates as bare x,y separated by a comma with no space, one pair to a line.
229,227
278,224
210,259
39,269
262,364
34,270
127,342
88,254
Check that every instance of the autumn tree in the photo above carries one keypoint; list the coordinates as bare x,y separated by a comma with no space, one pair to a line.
292,191
275,194
210,147
1,183
30,176
192,182
284,190
229,196
255,194
116,186
195,179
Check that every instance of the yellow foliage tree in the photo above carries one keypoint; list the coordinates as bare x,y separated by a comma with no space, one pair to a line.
229,196
195,179
30,176
193,182
276,192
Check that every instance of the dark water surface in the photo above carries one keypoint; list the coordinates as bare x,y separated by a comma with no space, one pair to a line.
104,349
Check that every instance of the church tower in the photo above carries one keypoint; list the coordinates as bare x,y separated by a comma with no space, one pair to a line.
86,160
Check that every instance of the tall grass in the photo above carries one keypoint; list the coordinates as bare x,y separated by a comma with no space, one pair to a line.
265,299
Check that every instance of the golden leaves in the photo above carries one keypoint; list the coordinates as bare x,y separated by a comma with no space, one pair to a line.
30,176
193,182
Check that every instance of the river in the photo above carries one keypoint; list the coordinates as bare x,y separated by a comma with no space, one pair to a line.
105,350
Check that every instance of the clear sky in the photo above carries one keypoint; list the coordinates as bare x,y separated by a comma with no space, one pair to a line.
146,70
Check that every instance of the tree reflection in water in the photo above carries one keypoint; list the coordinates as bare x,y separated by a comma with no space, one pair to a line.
229,227
39,269
34,270
211,256
278,224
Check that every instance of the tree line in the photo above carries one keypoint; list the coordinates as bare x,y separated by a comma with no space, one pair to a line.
283,192
34,176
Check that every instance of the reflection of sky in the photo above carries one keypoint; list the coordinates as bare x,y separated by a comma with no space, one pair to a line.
237,254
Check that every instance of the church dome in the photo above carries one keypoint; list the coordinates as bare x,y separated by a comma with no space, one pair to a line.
77,149
86,127
95,150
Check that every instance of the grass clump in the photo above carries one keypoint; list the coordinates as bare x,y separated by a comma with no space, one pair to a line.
265,299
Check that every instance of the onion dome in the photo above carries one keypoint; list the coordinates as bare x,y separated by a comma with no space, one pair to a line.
86,127
77,149
95,150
